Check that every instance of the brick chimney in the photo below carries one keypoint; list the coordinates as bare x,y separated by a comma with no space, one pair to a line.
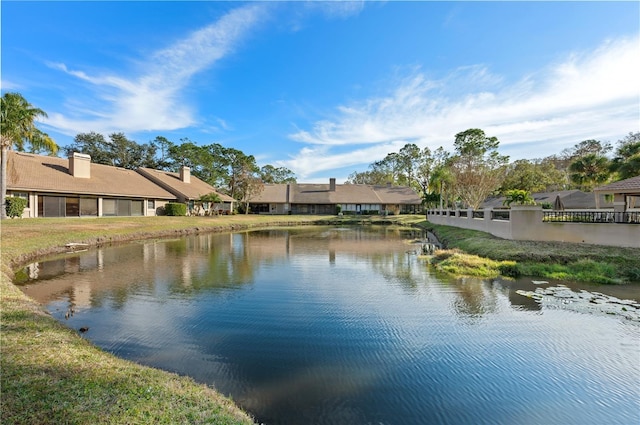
185,174
80,165
332,185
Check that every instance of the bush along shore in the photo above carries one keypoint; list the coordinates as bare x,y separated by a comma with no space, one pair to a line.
474,253
51,375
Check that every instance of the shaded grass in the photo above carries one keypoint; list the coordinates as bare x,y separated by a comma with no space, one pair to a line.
552,260
51,375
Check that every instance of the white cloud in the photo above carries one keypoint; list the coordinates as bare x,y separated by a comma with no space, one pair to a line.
151,100
318,158
8,86
587,95
337,8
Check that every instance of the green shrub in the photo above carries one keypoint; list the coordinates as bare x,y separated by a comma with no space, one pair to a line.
15,206
518,197
175,209
509,269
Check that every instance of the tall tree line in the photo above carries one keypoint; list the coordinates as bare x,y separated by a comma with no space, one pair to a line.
471,172
475,169
229,169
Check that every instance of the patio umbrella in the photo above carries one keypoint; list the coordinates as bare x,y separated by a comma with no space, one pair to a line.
558,205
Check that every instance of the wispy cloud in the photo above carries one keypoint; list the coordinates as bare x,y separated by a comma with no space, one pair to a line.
337,8
10,86
586,95
151,100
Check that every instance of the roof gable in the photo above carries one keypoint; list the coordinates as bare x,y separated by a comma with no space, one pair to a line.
321,194
628,186
188,191
30,172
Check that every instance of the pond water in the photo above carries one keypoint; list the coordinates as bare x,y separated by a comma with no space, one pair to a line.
324,325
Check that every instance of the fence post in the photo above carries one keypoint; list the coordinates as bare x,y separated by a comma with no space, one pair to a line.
525,222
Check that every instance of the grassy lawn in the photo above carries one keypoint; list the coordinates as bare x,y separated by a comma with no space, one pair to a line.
51,375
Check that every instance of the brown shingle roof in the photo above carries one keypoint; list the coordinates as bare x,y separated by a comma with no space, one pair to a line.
631,185
171,181
397,195
29,172
319,194
272,193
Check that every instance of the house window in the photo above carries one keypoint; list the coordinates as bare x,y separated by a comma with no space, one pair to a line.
88,207
122,207
72,207
151,204
261,208
137,207
51,206
109,207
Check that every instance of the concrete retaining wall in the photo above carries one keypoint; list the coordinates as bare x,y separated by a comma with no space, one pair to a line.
525,223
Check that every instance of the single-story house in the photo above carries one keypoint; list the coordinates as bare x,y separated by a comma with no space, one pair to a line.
188,189
294,198
76,187
626,194
570,199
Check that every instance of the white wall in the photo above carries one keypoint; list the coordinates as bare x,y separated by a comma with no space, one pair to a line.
526,223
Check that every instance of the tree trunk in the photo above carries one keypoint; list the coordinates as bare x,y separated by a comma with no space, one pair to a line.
3,183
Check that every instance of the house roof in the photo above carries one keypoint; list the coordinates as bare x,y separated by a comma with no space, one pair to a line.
172,182
30,172
343,194
274,193
571,199
397,195
627,186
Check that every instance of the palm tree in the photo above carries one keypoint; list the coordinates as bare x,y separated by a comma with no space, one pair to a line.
589,171
441,180
17,127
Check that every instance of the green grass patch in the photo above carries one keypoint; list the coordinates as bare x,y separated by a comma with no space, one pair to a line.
552,260
461,264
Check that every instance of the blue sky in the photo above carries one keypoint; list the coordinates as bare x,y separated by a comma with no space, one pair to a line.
326,88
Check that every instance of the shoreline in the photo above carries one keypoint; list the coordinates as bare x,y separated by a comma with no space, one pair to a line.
50,374
560,261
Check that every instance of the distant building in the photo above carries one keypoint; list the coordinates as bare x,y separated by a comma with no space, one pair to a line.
328,198
625,193
187,188
571,199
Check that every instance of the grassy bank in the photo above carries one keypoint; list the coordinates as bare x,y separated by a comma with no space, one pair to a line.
51,375
552,260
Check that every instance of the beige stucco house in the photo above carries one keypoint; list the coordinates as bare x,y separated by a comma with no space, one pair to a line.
76,187
188,189
326,198
626,194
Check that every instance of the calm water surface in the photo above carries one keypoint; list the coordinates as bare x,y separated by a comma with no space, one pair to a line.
347,326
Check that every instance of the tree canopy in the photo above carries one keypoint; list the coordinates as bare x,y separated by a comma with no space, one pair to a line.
18,130
468,175
626,162
477,167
